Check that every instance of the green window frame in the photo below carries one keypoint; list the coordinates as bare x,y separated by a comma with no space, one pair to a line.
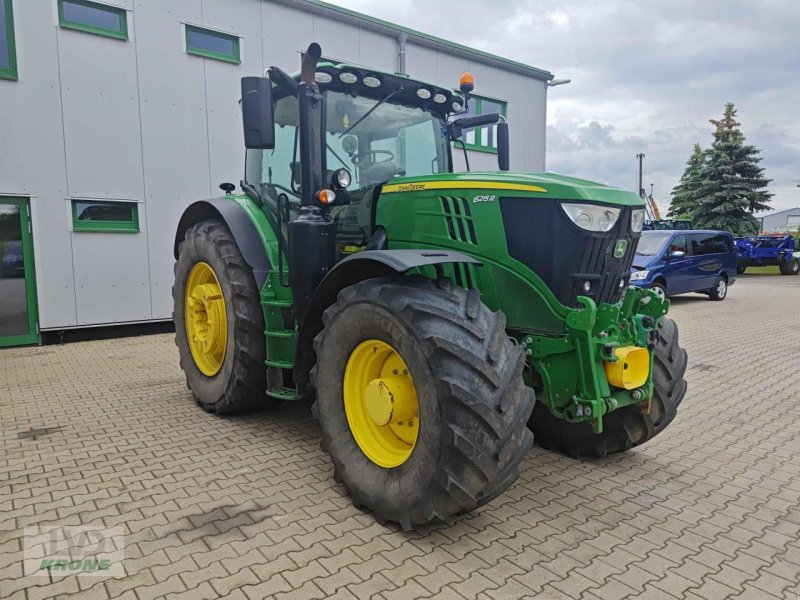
477,108
234,56
126,219
9,71
119,32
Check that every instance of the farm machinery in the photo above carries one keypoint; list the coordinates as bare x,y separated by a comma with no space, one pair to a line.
767,251
439,321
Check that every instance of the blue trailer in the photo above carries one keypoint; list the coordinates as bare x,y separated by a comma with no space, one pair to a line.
767,251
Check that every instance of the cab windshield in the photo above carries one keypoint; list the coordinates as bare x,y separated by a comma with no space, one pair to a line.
378,141
392,140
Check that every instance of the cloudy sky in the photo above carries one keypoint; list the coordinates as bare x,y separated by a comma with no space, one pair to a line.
646,76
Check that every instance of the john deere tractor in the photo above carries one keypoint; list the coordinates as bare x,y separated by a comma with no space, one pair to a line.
439,321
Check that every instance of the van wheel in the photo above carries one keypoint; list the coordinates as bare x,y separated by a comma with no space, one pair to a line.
741,269
720,290
659,289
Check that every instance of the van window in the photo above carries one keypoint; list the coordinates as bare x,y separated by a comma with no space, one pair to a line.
710,243
678,244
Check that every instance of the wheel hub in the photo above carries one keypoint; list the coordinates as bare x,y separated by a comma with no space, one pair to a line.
391,400
206,319
381,404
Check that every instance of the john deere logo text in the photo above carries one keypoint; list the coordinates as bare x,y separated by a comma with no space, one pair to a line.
484,198
410,187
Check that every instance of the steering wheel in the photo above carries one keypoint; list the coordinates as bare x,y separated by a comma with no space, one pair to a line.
357,158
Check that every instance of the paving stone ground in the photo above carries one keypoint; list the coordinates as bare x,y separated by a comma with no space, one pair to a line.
247,507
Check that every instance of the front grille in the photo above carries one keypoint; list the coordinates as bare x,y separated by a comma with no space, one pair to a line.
540,235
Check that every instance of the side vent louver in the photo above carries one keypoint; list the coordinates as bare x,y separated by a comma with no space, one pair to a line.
460,228
458,217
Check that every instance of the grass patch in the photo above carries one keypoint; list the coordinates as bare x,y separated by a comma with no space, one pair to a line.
761,271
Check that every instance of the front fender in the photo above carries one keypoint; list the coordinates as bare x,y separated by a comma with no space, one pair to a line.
236,213
367,264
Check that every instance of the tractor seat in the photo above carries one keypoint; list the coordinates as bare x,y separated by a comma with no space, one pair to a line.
379,172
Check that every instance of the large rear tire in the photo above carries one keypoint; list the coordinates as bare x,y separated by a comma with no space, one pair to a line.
628,426
222,358
470,400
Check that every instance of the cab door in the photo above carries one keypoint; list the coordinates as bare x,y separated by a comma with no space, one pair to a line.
18,313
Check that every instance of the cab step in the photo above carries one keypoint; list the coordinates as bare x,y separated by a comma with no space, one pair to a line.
280,333
282,393
281,364
279,303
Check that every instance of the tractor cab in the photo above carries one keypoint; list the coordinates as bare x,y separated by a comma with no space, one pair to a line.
375,127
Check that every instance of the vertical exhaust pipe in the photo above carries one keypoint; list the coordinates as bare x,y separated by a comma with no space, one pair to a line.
312,235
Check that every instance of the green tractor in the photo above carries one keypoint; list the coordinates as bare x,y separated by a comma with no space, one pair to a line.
422,310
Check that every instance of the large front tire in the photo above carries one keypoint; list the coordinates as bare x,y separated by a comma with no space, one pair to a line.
221,356
471,402
628,426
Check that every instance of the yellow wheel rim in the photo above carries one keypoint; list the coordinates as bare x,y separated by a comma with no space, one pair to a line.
206,319
380,401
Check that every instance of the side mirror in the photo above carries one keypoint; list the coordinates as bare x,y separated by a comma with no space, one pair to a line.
257,117
503,152
676,254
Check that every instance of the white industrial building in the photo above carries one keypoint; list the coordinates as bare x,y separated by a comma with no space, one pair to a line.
782,221
115,115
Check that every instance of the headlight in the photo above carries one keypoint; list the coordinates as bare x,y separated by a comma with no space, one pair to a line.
639,275
341,178
637,220
591,216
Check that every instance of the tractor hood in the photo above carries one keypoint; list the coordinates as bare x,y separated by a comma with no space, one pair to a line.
576,235
547,185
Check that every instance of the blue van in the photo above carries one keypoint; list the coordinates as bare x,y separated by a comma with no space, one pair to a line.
677,262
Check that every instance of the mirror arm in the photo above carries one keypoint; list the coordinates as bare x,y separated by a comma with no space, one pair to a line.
282,79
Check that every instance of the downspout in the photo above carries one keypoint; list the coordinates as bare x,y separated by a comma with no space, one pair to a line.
401,52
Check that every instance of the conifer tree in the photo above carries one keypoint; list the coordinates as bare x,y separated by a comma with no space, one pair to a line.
732,185
684,195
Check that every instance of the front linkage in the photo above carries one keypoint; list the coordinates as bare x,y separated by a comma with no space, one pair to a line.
612,344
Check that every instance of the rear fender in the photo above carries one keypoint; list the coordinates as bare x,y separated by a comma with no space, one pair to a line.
357,267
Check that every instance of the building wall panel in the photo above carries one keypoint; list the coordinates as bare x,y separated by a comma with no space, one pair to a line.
339,41
112,284
421,63
32,156
174,133
285,31
378,51
100,100
222,83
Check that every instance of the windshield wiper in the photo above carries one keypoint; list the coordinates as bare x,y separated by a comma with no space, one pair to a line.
369,112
